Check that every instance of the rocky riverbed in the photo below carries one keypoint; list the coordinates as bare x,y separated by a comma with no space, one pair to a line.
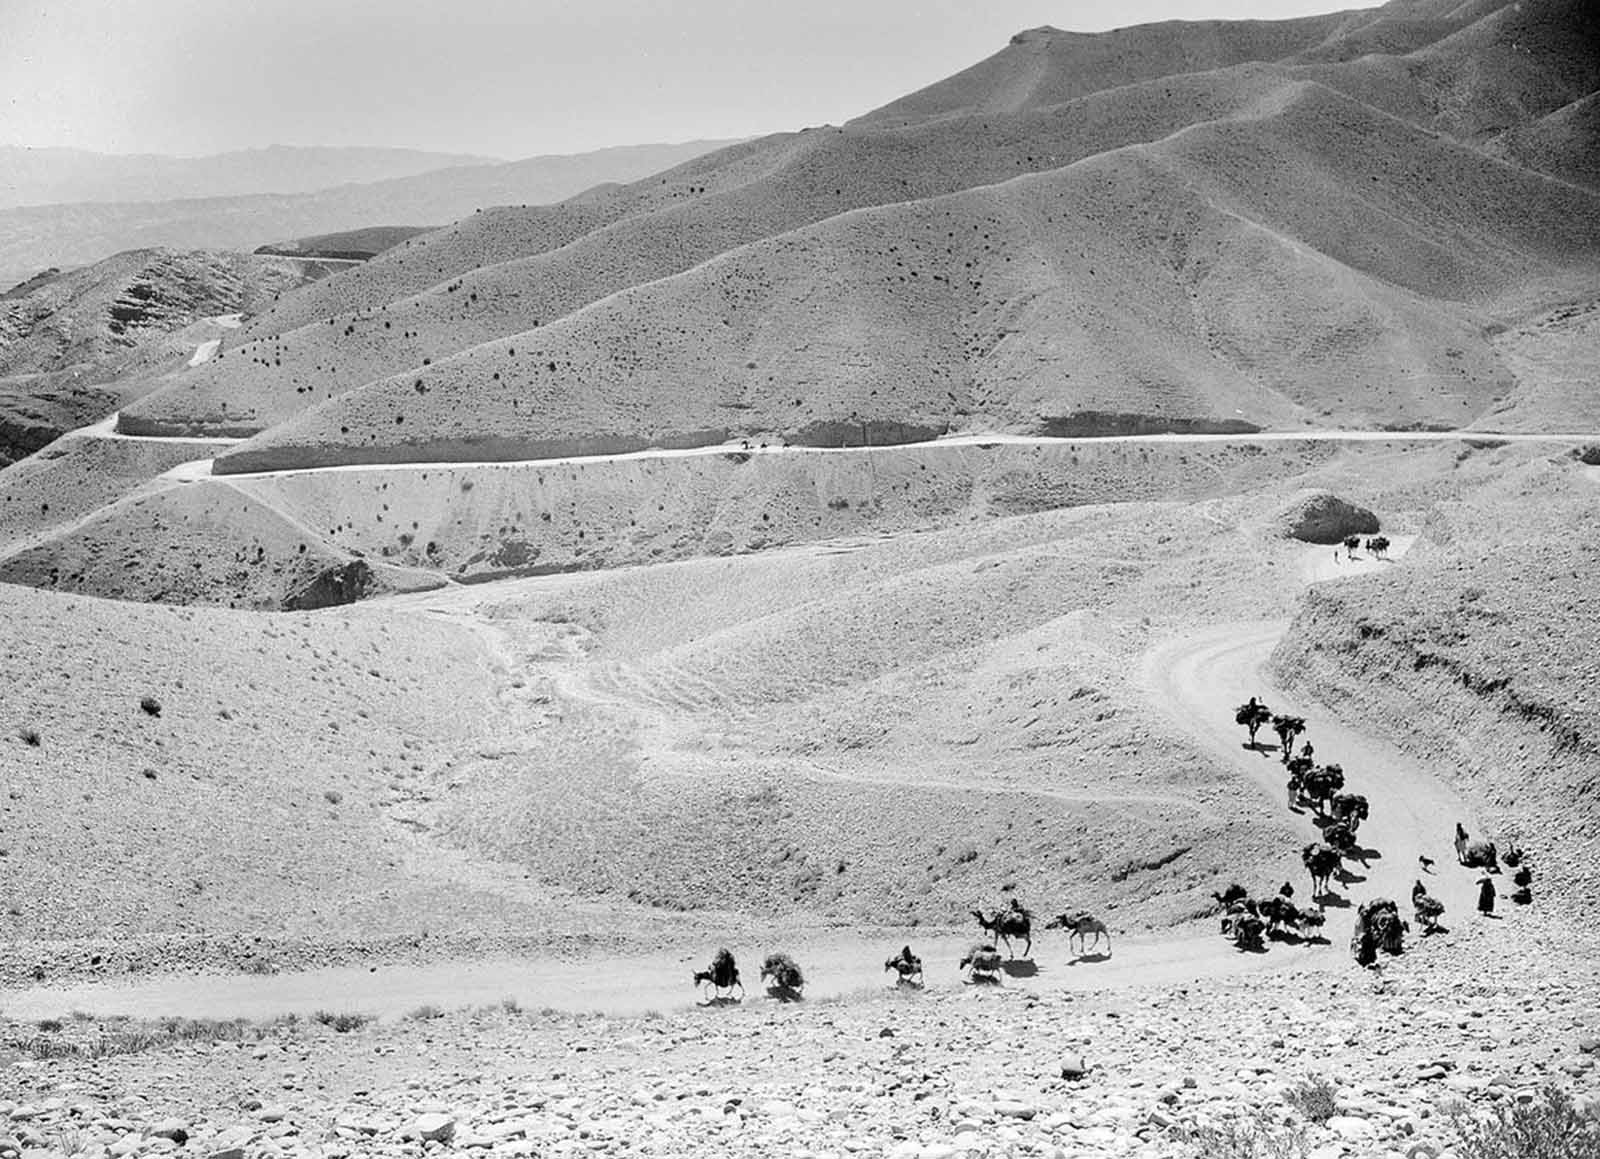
1458,1026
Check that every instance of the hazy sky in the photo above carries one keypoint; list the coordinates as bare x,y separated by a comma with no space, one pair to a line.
509,78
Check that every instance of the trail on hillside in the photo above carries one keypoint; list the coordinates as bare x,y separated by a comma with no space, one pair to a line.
1200,679
1196,680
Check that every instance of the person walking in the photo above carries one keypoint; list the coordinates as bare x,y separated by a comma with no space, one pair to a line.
1486,895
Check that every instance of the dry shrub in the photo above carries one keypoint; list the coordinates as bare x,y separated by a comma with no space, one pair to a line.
1252,1135
1314,1098
1550,1127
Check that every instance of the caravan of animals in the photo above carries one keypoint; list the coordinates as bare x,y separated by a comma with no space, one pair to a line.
1246,921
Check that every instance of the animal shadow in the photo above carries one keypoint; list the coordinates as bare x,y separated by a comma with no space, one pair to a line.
1090,959
1261,747
1348,878
984,980
1436,930
784,993
1021,968
719,1003
1334,900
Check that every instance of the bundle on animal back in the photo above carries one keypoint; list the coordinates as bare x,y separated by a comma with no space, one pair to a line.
906,964
1378,927
783,971
982,958
723,972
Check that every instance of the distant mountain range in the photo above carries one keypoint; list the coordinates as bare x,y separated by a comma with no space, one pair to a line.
64,176
104,205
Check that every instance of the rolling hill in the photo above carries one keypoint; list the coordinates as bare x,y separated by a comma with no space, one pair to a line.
33,237
74,346
1327,181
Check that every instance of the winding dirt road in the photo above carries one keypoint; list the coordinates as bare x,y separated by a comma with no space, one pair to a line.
1196,680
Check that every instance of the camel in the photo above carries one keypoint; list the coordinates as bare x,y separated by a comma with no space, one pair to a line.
1288,728
1351,808
1279,911
1245,929
1428,908
1479,854
1320,862
1252,714
723,974
1323,784
907,967
1378,927
784,972
1080,924
1007,924
982,963
1233,893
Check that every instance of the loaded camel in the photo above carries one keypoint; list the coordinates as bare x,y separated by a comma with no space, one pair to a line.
1350,808
1322,784
907,967
723,974
1378,927
785,976
1015,922
1288,729
1252,714
1479,854
1244,927
1320,861
982,963
1299,766
1343,838
1279,912
1080,925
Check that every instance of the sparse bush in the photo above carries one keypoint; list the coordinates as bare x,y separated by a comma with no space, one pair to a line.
510,1005
332,796
1550,1127
29,735
1253,1136
50,1025
424,1013
151,705
1314,1098
343,1021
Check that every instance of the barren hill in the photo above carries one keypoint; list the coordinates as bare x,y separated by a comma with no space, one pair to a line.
1356,302
73,345
1398,125
33,237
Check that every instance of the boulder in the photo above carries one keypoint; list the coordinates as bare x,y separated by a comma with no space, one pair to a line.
435,1126
1323,517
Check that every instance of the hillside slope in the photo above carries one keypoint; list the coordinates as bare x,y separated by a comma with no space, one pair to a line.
1478,657
34,237
73,346
1047,102
1353,301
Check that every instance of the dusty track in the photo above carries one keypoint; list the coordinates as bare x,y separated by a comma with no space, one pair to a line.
1196,680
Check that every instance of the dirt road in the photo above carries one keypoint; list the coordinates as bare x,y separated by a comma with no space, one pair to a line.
1196,680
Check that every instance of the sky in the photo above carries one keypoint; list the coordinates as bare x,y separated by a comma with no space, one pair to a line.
504,78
